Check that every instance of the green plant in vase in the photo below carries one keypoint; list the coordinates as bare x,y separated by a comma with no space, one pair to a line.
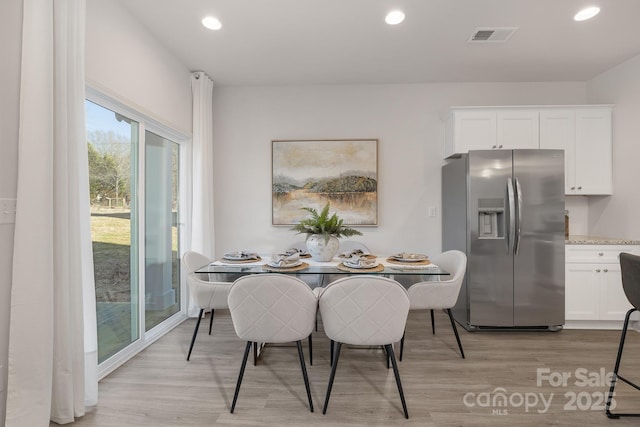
323,232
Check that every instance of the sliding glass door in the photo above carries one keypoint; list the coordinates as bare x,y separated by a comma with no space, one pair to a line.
162,262
135,195
112,144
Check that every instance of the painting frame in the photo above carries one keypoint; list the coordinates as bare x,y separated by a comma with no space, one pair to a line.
312,172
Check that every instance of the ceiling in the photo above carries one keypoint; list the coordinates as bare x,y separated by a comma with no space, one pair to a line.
307,42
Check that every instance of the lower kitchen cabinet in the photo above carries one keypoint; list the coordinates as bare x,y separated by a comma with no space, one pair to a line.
594,298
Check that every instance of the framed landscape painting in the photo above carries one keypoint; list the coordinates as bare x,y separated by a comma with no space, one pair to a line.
310,173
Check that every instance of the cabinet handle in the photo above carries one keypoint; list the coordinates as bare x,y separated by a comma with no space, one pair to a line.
493,146
597,270
600,254
580,188
573,188
605,270
500,146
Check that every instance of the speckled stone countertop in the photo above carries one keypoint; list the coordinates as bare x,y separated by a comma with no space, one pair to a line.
591,240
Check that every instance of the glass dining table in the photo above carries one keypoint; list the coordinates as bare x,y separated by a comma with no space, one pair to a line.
325,272
320,274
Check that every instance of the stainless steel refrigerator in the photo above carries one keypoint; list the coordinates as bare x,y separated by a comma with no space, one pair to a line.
505,210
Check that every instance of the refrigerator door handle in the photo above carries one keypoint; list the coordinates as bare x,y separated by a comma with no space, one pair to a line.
512,215
516,247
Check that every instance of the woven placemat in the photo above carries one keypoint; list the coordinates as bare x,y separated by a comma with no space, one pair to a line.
302,266
377,268
239,261
422,262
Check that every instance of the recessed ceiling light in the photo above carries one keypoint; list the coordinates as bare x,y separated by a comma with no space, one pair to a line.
394,17
211,22
586,13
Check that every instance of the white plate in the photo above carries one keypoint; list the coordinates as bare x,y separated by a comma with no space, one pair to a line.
290,265
350,265
240,256
406,257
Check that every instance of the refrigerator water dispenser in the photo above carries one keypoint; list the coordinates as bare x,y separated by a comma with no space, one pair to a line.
491,218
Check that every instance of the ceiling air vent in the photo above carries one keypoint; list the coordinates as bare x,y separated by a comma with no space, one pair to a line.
492,35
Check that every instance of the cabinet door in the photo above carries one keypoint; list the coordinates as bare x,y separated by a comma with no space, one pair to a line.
558,131
581,292
613,302
517,129
593,151
475,130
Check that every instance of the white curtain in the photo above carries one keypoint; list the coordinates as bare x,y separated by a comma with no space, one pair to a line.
202,169
53,326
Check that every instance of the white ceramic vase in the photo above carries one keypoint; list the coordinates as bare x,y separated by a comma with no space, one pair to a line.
320,249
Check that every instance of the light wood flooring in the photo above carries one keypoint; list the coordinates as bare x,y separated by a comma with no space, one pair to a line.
160,388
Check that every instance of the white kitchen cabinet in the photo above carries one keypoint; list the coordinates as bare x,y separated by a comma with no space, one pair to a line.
470,130
517,128
585,135
558,130
479,128
581,292
594,297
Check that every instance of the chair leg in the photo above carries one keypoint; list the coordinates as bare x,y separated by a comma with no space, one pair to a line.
615,376
386,354
310,351
455,331
304,374
389,348
331,352
195,333
334,365
255,353
433,324
211,322
402,345
240,375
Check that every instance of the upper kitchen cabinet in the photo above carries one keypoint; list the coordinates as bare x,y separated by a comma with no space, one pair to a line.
517,128
482,128
584,132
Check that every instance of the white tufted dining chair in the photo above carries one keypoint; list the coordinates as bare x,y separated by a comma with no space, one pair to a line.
364,310
272,308
206,295
440,295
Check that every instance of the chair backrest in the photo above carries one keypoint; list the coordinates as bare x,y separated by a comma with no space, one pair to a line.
207,295
630,270
272,308
442,293
194,260
455,262
349,245
364,310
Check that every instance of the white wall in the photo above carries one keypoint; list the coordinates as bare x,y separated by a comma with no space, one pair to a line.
125,62
578,207
617,215
10,52
405,118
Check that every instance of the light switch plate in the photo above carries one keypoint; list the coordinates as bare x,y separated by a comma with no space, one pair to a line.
7,211
432,211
